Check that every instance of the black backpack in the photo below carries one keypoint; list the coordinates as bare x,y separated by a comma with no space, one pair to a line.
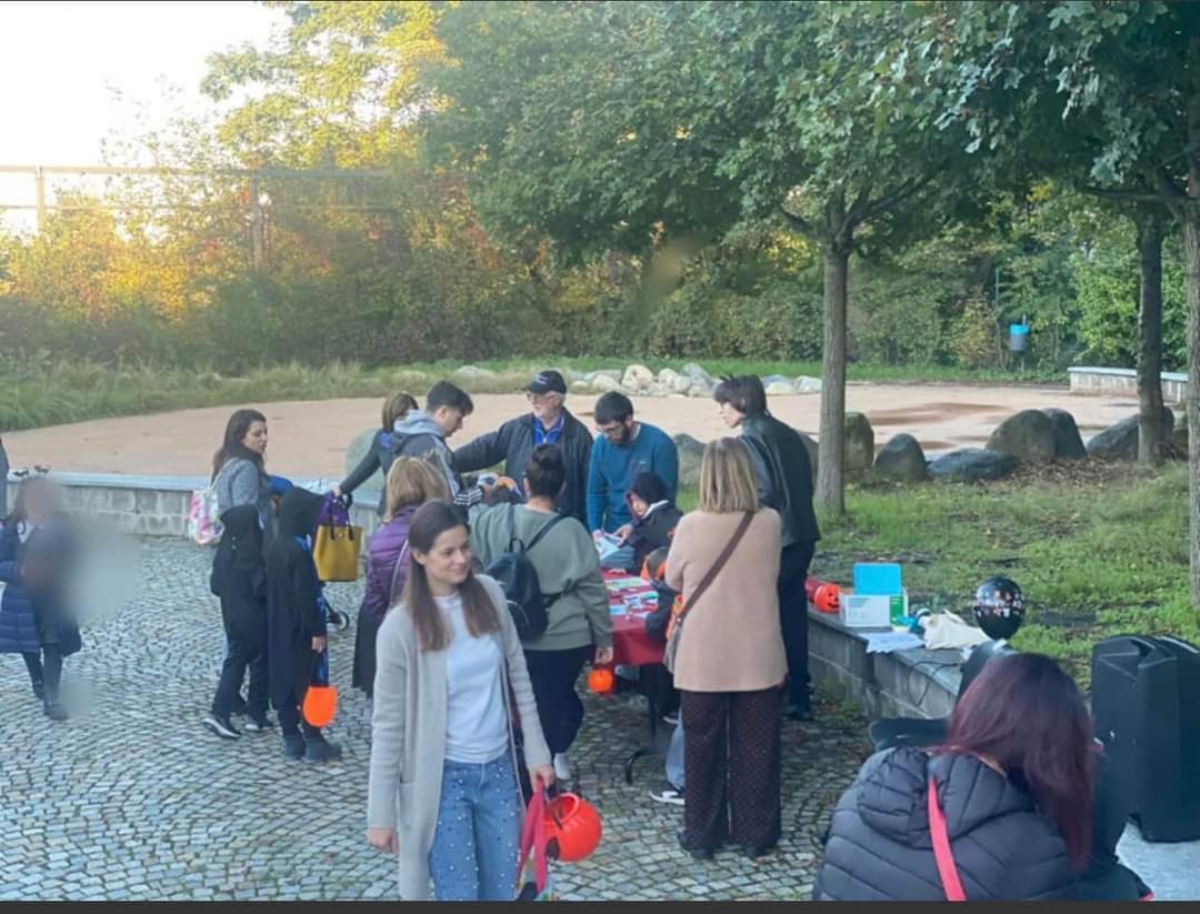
516,574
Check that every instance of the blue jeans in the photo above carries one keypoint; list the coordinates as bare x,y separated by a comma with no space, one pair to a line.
675,775
474,853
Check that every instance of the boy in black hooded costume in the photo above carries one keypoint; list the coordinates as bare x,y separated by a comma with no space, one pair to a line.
295,624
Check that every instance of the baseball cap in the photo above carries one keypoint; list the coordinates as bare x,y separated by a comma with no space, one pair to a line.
547,382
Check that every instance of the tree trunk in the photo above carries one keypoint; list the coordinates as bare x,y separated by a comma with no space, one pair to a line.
1152,438
1191,255
831,450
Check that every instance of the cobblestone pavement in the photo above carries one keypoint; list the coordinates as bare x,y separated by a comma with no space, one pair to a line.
134,799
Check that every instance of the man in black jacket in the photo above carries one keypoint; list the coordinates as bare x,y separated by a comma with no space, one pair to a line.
549,422
784,483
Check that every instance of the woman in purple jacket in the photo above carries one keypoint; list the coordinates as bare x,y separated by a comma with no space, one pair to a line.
410,483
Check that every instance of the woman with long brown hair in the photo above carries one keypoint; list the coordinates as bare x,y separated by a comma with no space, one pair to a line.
382,452
1012,790
443,791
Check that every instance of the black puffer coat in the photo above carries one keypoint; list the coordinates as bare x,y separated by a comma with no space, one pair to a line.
879,846
239,578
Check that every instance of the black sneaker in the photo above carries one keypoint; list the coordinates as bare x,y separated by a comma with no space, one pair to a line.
669,794
319,750
55,711
293,745
258,724
221,726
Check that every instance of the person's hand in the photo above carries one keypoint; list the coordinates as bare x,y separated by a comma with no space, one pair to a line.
318,643
623,533
604,656
545,772
383,839
337,491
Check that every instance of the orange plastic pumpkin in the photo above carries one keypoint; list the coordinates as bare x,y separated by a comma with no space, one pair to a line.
573,829
600,681
320,705
828,598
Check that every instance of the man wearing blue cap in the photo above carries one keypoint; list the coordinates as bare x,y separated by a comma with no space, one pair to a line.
548,422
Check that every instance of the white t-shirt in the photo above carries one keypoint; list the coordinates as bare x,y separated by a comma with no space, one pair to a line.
476,722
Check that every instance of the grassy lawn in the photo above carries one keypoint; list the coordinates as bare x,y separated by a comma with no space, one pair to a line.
1098,549
32,396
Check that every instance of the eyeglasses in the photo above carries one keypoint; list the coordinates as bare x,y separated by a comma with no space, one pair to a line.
611,431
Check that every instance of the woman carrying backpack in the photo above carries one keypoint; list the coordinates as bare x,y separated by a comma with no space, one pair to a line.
579,626
410,483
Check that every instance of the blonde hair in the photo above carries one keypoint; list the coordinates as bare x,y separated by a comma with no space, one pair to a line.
410,482
727,482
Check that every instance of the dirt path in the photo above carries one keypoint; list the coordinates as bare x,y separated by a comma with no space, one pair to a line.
309,438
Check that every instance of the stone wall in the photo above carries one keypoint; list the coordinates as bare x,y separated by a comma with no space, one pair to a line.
912,683
1123,381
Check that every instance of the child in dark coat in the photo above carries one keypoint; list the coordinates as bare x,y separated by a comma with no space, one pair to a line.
296,624
655,518
36,550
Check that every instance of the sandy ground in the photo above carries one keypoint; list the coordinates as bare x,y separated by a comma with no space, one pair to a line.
309,438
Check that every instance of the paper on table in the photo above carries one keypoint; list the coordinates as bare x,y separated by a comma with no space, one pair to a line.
607,544
888,642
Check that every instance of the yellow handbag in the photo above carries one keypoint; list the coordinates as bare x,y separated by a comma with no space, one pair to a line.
337,543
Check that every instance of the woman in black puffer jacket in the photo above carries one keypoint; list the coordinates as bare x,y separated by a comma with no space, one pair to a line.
1014,781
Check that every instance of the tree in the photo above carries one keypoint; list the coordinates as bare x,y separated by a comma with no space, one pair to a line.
1126,73
635,125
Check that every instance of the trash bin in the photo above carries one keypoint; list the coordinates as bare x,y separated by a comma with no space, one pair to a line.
1146,707
1018,337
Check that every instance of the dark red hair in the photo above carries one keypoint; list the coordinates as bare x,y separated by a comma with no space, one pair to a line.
1025,713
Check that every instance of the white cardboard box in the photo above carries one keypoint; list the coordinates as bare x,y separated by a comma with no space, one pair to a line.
871,611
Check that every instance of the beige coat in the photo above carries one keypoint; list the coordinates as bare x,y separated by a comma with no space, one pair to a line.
408,735
731,639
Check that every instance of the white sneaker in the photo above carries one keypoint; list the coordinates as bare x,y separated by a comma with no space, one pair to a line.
562,768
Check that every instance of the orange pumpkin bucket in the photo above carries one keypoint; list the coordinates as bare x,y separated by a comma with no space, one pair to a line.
600,681
828,598
320,705
573,829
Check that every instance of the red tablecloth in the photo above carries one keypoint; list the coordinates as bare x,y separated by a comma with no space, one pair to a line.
630,600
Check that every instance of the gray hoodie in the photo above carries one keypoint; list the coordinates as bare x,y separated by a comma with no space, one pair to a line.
419,436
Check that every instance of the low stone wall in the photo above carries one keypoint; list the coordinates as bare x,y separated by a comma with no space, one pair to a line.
1123,381
156,505
912,683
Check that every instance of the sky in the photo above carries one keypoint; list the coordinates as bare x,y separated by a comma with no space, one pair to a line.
60,62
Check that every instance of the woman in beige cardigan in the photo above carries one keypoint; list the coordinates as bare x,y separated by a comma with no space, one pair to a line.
730,661
443,791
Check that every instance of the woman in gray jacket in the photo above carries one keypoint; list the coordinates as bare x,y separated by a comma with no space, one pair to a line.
443,791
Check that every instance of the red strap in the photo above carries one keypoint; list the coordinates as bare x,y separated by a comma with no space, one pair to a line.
948,872
533,839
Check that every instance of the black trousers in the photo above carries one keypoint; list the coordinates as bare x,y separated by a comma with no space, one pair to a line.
45,671
793,618
553,675
732,769
237,658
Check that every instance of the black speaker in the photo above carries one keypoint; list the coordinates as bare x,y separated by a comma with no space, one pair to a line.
1146,707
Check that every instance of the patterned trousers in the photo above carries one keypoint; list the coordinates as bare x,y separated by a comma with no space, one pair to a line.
732,769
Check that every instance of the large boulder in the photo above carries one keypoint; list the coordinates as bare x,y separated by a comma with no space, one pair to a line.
859,443
1068,445
637,378
697,375
369,490
700,390
807,385
615,373
1028,436
691,452
673,382
782,388
470,374
603,382
1120,442
902,458
972,465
